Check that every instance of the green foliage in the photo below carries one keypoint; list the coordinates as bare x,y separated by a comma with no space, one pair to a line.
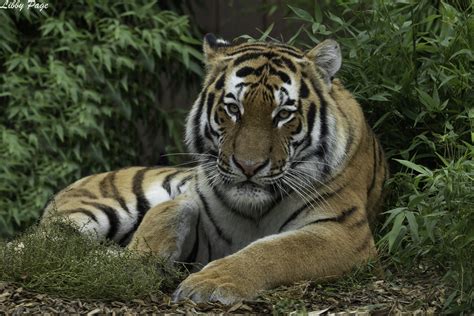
81,92
433,218
410,66
58,260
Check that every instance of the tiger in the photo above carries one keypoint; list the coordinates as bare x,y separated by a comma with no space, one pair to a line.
287,185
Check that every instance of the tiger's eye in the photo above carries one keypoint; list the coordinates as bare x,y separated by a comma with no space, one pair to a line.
233,108
283,114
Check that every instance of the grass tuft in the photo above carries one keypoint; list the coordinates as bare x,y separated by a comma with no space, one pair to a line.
58,260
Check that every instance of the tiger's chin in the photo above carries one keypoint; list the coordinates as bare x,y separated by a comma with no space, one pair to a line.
247,196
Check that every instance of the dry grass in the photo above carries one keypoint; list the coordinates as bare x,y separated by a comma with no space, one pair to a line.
59,261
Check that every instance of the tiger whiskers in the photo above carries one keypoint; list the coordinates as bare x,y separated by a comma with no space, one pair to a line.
281,188
298,189
307,202
309,188
301,175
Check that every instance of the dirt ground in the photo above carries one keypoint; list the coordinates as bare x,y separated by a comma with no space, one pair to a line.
419,293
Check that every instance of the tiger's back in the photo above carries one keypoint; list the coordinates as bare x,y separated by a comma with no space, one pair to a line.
112,204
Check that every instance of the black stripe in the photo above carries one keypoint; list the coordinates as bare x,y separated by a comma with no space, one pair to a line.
210,104
265,46
142,203
137,188
289,63
105,185
216,116
119,197
125,240
260,69
108,189
167,181
245,71
324,130
287,47
284,77
316,85
310,117
338,219
289,52
292,217
305,140
374,174
304,91
212,132
183,181
211,218
111,215
230,95
241,59
321,147
192,255
82,210
220,82
248,49
277,62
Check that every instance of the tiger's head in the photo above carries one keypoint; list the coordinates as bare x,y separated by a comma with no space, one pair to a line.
261,121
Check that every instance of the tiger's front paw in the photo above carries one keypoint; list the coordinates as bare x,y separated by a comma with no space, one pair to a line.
217,282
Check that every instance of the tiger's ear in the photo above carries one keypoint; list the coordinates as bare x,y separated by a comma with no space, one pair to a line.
327,56
213,46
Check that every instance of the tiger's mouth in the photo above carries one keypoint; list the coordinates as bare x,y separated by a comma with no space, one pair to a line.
248,184
247,195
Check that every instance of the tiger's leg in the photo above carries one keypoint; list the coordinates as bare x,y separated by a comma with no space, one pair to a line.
168,230
314,252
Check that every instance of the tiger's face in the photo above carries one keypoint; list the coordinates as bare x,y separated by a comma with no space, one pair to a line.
254,122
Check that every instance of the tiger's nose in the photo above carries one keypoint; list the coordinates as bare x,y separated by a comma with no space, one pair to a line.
248,167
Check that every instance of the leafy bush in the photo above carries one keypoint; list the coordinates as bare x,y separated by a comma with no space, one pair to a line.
433,218
80,92
410,66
